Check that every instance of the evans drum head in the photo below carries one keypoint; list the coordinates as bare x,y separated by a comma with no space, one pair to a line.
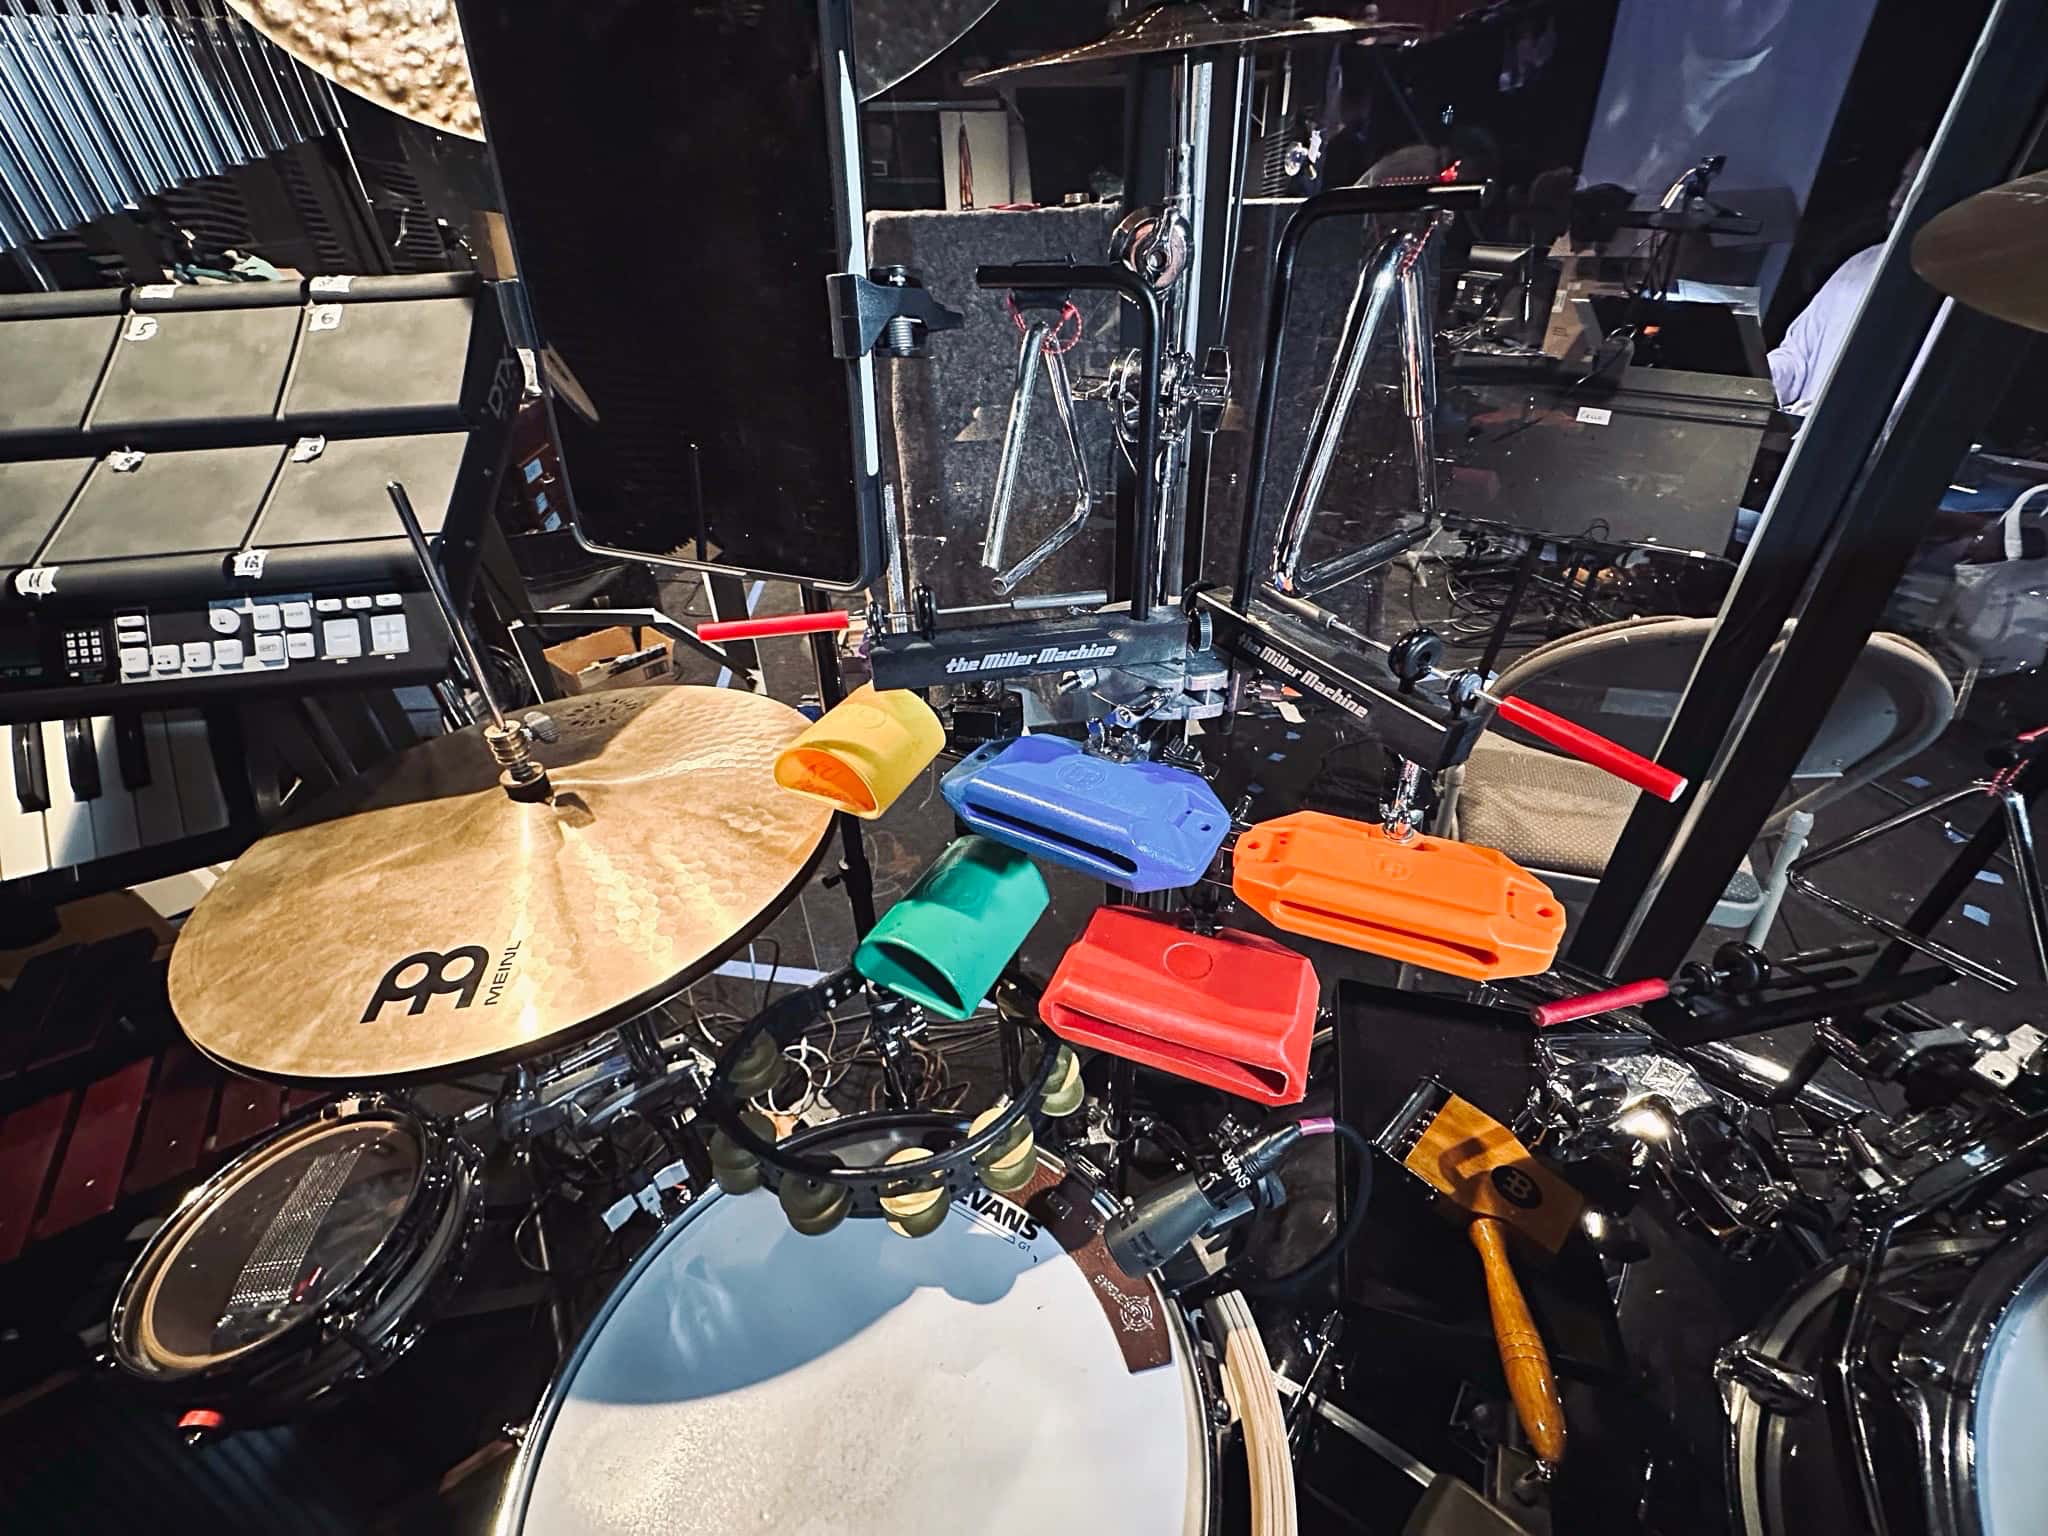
312,1258
746,1378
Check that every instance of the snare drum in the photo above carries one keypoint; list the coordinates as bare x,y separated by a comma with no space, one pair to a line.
314,1258
981,1378
1956,1442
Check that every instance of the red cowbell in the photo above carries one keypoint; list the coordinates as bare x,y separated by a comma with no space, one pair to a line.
1229,1009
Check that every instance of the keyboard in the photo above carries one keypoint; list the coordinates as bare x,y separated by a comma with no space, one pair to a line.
77,791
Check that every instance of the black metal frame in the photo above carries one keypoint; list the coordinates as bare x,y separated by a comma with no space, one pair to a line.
1840,528
1356,201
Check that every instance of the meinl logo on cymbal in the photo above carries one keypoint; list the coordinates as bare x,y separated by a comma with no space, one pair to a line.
458,972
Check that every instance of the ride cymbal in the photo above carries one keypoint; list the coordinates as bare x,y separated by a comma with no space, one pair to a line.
406,55
418,920
1202,26
1991,251
894,39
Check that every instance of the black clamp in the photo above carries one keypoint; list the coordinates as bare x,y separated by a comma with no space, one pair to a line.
887,310
1414,656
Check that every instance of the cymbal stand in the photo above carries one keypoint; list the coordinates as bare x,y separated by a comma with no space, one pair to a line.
510,741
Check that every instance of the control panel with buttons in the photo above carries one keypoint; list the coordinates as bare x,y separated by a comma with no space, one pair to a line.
305,638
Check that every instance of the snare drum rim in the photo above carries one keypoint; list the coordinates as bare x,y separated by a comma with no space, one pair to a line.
1940,1398
1753,1430
445,1184
511,1515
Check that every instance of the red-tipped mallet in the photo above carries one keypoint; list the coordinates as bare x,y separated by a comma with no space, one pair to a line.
1590,747
1566,1009
779,624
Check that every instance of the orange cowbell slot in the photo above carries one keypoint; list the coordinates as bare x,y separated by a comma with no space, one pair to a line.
1443,905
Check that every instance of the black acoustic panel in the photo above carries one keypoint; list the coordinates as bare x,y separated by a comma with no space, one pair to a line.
403,359
676,201
219,367
340,495
171,504
33,497
52,365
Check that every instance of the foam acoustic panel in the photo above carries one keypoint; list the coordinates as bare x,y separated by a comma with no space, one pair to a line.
945,413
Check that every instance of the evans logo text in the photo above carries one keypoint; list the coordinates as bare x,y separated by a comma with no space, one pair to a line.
992,1210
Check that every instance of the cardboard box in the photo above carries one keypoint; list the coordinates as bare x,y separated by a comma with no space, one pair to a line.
612,658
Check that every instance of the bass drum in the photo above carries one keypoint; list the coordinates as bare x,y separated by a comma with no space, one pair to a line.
314,1258
1956,1440
981,1378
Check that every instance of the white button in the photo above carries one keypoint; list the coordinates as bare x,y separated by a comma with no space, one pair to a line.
225,621
264,616
390,600
357,603
165,658
341,637
327,604
134,660
228,652
270,647
387,632
129,621
297,615
298,647
198,653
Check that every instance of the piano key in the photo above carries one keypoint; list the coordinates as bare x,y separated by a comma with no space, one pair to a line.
29,1139
31,769
23,850
81,759
130,743
89,1177
157,815
114,828
203,806
68,822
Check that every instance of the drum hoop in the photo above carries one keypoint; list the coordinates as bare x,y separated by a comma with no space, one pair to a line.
442,1174
1944,1404
1749,1423
511,1514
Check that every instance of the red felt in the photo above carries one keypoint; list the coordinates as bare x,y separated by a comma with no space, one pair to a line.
29,1139
174,1126
89,1178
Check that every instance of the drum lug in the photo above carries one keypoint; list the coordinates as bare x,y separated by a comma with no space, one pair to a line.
1766,1378
1921,1370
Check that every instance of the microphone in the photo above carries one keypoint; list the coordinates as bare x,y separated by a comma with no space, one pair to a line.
1160,1223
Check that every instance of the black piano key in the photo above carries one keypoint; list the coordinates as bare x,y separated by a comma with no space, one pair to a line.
81,759
133,750
31,771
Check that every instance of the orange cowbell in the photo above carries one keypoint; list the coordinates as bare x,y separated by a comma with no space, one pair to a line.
1429,901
